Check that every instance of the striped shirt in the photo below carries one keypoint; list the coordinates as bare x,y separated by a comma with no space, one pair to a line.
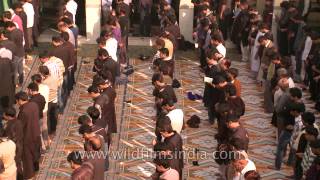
308,158
56,68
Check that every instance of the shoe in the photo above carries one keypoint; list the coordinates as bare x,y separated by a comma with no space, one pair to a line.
191,96
198,97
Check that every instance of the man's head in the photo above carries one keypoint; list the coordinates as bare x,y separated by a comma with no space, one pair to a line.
101,41
166,130
17,7
44,71
21,98
162,164
33,89
107,33
9,114
93,91
86,131
216,39
252,175
44,57
62,26
283,83
233,73
311,133
168,105
244,4
240,161
220,81
10,26
308,119
164,53
57,41
4,35
160,43
232,120
94,113
157,80
103,54
64,36
212,57
263,40
84,120
205,24
103,83
296,109
75,160
315,147
36,78
295,94
264,27
6,16
276,58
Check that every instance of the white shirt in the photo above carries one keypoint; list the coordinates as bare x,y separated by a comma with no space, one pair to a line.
127,1
307,48
291,83
5,53
296,130
176,117
28,9
222,50
72,7
56,68
44,91
112,47
249,167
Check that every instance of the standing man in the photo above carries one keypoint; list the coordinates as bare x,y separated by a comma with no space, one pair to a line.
72,6
16,36
13,131
29,10
145,17
29,116
240,30
53,84
7,88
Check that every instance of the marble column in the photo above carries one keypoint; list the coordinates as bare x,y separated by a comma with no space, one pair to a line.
276,13
93,17
186,19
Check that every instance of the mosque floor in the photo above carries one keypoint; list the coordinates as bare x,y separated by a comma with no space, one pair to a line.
131,149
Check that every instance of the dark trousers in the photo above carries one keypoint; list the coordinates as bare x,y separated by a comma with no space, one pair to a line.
212,114
145,22
52,117
298,62
298,169
203,60
29,39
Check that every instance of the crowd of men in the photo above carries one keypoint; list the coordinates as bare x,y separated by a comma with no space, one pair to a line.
278,62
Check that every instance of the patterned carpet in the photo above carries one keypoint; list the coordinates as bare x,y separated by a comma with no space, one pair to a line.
134,105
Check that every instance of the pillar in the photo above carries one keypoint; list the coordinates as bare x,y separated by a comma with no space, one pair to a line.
93,17
276,13
260,5
186,19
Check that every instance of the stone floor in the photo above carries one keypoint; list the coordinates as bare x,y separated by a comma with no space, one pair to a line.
134,108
